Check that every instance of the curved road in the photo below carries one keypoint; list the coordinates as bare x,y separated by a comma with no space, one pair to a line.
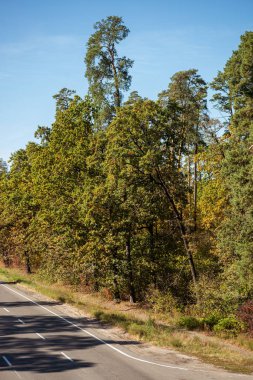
40,341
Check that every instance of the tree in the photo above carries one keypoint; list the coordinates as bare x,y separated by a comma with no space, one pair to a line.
107,73
222,98
5,224
20,207
133,97
63,99
143,138
235,237
3,167
186,99
60,175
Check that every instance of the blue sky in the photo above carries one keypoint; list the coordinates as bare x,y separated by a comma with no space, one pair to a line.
43,43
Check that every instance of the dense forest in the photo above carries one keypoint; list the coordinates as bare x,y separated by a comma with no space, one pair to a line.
144,198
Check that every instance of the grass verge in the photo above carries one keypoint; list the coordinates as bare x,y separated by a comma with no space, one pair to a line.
231,354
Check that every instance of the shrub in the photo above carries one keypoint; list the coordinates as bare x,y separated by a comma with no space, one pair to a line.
160,302
216,298
210,321
245,313
229,326
190,323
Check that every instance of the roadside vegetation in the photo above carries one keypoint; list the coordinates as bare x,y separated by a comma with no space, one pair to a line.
146,202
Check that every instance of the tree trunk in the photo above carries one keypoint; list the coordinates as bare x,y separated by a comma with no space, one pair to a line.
116,80
195,189
27,262
188,252
182,229
116,292
152,251
130,270
96,276
6,258
189,184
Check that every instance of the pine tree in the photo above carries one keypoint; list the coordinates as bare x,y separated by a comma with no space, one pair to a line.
236,235
107,73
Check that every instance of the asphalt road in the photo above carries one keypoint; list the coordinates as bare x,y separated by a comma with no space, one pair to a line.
38,340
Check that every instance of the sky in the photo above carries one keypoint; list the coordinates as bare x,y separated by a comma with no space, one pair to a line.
43,45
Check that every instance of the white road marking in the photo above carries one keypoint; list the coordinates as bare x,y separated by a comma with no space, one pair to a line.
6,309
7,361
10,365
94,336
20,320
66,356
42,337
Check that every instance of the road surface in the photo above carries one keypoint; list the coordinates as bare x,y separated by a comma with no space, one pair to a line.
39,340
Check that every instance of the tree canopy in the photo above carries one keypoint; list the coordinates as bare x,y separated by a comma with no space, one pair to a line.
141,195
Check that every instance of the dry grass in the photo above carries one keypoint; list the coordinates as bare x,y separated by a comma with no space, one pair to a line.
234,354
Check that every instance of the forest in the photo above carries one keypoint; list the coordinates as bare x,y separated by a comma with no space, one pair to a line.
146,199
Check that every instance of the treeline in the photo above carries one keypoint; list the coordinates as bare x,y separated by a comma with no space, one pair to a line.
142,197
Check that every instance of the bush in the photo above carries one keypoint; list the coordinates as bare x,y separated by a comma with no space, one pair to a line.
216,298
210,321
161,303
245,313
228,326
190,323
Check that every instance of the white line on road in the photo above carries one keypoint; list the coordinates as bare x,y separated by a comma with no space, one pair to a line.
42,337
6,309
20,320
7,361
66,356
10,365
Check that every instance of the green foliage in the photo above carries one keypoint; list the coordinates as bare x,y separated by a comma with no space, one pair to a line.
63,99
162,303
107,74
145,200
189,323
210,321
236,233
228,326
